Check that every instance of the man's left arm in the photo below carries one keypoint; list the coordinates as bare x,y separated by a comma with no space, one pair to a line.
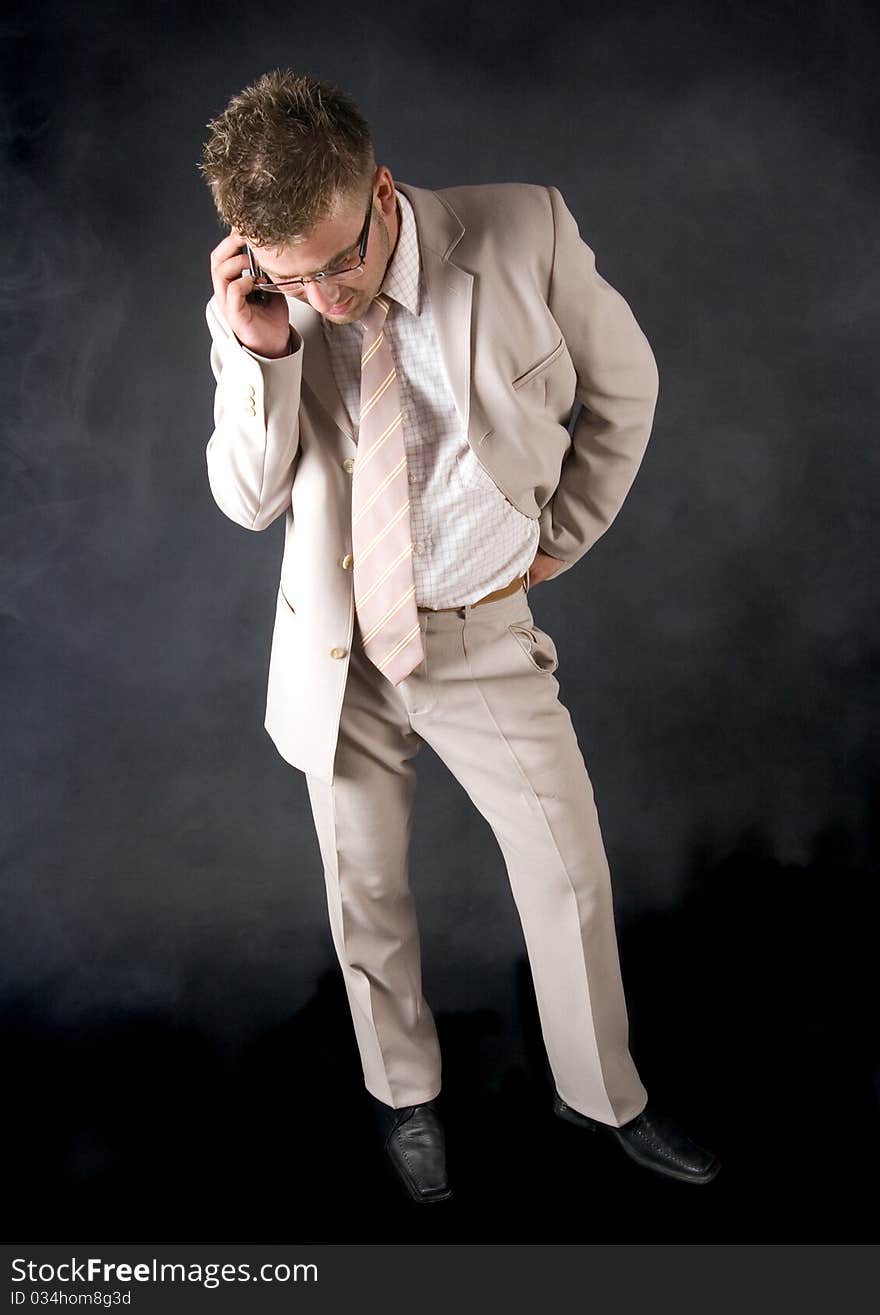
617,386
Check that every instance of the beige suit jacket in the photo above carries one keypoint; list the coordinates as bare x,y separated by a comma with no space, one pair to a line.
526,327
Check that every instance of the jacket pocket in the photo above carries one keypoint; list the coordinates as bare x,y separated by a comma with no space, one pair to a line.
534,370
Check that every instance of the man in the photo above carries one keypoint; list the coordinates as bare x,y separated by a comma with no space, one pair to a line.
397,370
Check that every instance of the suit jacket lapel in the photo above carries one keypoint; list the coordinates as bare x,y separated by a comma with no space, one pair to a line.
450,291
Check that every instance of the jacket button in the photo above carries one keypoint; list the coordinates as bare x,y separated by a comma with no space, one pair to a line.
250,389
337,652
250,410
347,562
348,465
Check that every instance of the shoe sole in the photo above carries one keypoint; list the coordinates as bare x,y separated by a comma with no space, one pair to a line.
591,1125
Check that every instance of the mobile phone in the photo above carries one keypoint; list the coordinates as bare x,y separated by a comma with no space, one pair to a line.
258,297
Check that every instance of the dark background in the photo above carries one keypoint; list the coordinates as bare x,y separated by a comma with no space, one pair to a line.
180,1060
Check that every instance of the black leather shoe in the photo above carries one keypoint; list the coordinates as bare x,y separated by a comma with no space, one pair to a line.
653,1141
414,1142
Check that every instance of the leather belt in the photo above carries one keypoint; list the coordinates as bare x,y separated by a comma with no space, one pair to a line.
518,583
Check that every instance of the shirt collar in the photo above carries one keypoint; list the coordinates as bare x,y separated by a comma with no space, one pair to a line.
403,276
403,281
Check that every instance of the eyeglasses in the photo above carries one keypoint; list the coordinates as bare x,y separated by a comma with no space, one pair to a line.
265,284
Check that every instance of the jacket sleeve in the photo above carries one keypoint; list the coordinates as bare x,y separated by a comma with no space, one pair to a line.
617,386
252,452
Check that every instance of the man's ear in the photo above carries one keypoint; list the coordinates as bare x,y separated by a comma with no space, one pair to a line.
385,184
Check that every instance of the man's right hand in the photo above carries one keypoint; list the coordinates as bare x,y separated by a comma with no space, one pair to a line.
264,330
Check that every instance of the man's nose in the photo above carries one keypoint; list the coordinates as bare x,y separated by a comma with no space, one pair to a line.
323,296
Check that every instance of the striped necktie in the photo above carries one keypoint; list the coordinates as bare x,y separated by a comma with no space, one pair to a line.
384,590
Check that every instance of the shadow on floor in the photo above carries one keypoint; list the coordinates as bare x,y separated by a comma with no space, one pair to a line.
750,1023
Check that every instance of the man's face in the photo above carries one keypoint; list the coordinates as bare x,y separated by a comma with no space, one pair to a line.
334,244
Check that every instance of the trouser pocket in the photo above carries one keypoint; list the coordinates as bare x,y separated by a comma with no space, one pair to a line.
535,645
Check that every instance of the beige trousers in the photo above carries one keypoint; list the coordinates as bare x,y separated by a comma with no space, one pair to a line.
486,700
